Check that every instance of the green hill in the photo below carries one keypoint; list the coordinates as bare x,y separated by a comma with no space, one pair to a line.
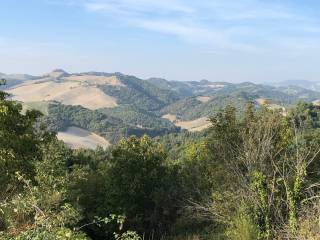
114,105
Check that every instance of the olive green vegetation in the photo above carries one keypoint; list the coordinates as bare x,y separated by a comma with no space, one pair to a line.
238,95
140,94
40,106
110,123
136,117
253,175
191,108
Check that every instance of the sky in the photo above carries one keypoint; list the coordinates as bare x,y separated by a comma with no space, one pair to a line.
218,40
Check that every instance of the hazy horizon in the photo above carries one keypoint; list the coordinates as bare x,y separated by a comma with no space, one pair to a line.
219,40
197,80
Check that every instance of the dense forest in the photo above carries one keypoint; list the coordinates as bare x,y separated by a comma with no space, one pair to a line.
251,175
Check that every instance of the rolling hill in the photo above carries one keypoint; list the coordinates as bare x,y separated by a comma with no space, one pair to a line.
86,108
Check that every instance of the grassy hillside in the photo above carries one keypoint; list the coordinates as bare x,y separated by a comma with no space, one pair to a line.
115,105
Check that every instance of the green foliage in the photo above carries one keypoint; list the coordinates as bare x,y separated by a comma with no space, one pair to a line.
129,235
107,123
136,117
252,175
242,226
33,177
135,181
176,143
140,94
191,108
36,182
44,234
268,156
196,171
19,143
262,215
63,116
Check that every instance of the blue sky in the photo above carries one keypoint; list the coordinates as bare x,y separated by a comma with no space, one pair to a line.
219,40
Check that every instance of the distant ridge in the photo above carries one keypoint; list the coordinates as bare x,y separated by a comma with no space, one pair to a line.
311,85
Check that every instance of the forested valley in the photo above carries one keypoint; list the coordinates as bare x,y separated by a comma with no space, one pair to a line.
253,174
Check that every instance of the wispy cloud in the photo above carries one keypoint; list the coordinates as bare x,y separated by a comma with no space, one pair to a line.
222,24
139,6
249,10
